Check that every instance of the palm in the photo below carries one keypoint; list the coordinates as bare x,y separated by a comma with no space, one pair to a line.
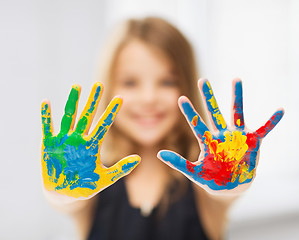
71,161
77,163
228,155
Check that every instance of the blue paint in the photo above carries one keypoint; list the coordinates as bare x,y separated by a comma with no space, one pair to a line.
77,163
96,96
81,164
117,176
102,130
114,109
127,167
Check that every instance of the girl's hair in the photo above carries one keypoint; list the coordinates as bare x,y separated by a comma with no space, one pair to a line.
158,33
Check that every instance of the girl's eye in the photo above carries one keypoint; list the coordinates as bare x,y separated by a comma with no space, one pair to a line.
129,83
169,82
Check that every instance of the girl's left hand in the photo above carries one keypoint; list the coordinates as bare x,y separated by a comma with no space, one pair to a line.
229,155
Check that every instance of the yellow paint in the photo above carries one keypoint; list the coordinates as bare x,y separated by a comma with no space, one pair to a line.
213,102
219,119
216,113
238,122
87,112
245,174
210,88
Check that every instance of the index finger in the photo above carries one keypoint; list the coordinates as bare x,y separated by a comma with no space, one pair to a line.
194,120
211,104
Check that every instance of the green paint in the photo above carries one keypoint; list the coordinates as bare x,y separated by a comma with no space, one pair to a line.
81,126
75,140
70,110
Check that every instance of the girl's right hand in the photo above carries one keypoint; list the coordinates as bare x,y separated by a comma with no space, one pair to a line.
71,164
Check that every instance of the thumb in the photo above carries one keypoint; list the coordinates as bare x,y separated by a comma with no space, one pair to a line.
123,167
173,160
177,162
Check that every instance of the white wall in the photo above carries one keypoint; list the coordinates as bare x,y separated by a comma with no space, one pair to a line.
46,46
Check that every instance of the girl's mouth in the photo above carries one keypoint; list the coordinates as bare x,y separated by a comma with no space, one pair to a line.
149,120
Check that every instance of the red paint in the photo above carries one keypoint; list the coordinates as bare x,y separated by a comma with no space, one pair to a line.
262,131
214,146
236,117
270,124
190,166
221,166
219,171
215,166
251,140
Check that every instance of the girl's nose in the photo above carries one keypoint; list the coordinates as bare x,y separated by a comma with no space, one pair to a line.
148,94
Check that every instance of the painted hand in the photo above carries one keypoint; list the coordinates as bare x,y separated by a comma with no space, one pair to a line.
71,162
229,155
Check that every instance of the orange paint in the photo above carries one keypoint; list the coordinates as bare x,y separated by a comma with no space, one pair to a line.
194,121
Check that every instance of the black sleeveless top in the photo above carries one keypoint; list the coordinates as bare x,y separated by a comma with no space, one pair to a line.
116,219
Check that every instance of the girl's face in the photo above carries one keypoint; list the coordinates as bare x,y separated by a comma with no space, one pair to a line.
146,80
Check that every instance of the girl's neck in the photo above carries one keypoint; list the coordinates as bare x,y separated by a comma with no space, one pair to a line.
150,166
146,184
149,161
150,169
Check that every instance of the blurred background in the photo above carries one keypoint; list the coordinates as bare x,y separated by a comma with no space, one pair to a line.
46,46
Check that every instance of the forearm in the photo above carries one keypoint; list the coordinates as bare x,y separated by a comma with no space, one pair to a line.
80,211
213,212
65,204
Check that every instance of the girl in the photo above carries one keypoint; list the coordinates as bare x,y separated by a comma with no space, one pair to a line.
149,64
